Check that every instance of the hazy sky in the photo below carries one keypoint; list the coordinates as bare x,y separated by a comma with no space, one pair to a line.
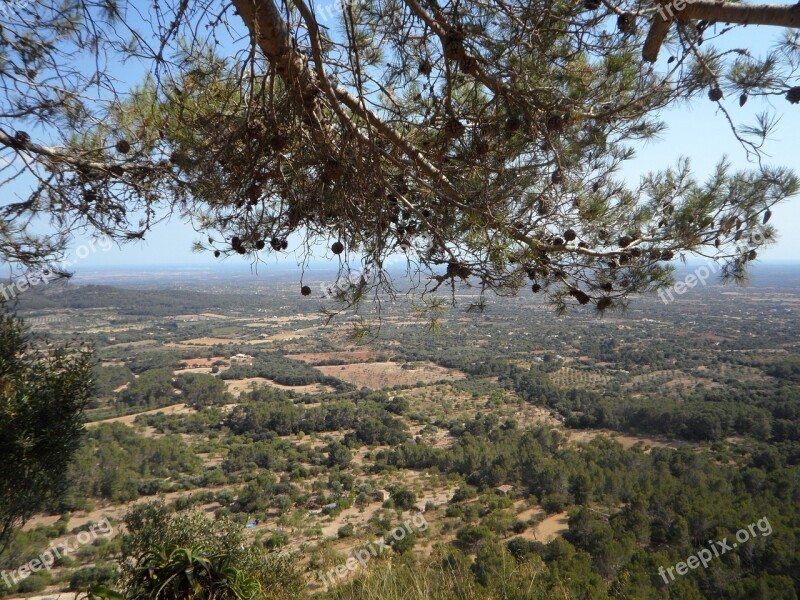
696,131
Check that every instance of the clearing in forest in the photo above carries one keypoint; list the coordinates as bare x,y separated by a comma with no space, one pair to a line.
380,375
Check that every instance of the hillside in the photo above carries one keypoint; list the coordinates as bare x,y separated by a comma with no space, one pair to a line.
510,454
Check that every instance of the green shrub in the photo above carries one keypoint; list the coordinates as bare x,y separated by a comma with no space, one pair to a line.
469,536
404,499
276,540
99,574
35,582
404,544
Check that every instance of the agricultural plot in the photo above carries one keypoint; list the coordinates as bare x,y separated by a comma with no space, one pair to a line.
381,375
573,377
315,358
237,386
291,458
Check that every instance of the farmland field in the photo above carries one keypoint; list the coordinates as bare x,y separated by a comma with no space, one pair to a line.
501,430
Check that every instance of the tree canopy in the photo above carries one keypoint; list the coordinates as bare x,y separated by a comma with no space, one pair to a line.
482,141
43,393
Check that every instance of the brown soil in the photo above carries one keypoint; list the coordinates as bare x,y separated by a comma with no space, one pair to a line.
388,374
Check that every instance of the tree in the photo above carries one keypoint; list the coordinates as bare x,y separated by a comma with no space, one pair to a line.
404,499
339,455
43,393
479,140
200,389
152,388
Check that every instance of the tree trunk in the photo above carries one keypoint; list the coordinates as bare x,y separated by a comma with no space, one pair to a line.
780,15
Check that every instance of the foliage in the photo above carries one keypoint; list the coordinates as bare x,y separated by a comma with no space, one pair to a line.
475,141
43,393
88,577
118,464
372,423
282,370
109,378
151,389
199,390
191,573
188,556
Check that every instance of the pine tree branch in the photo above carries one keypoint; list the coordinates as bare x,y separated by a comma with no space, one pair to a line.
781,15
58,156
273,37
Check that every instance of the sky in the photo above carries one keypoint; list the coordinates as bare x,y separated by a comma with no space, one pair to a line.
697,131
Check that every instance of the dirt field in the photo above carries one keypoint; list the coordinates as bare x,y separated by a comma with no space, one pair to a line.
549,528
205,365
237,386
209,341
627,441
118,328
200,317
387,374
174,409
205,362
291,335
115,511
318,357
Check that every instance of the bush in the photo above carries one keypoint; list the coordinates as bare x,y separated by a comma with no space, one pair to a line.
222,512
62,524
404,499
404,544
224,497
346,531
554,503
35,582
463,493
520,548
469,536
519,526
276,540
65,561
99,574
398,405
